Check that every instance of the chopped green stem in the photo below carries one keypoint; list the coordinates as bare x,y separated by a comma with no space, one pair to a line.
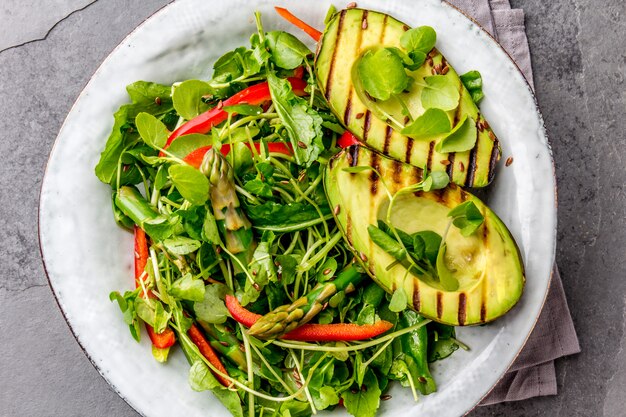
321,254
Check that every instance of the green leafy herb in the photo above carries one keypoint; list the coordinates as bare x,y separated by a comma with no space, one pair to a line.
190,182
186,144
275,214
446,277
210,232
420,39
433,122
437,180
303,124
126,303
188,288
440,92
426,245
201,379
211,308
366,400
398,301
473,81
461,138
386,243
243,109
382,74
287,50
466,217
181,245
152,130
188,98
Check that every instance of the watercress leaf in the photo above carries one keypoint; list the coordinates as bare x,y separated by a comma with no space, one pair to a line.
441,92
211,308
151,130
228,67
432,123
181,245
161,227
190,183
461,138
386,242
283,215
160,179
418,59
187,98
429,243
266,169
262,265
381,73
327,270
365,402
146,93
466,217
121,302
326,396
421,39
188,288
210,232
201,378
367,315
336,299
446,277
441,349
286,268
145,310
436,181
258,187
398,301
473,81
302,123
161,317
186,144
405,238
287,50
373,294
243,109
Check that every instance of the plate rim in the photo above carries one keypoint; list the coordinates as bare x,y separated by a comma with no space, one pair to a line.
162,9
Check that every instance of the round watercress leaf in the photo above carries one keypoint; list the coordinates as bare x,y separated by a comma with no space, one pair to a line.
461,138
186,144
446,278
188,288
287,50
432,123
212,309
190,183
436,181
398,301
382,73
420,39
151,130
187,98
440,92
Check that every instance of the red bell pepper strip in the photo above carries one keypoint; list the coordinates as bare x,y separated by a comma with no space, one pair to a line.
291,18
196,157
166,338
207,351
339,332
254,95
347,139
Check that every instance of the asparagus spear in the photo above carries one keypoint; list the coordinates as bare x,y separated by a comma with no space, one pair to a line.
290,316
231,220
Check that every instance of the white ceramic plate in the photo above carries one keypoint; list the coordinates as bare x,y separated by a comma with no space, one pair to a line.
86,255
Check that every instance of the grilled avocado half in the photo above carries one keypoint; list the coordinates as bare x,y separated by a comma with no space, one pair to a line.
347,36
487,263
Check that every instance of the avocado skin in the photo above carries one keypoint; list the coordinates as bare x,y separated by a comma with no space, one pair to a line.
491,283
351,32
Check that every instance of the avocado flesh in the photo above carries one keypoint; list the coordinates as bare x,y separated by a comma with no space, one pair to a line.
487,263
345,39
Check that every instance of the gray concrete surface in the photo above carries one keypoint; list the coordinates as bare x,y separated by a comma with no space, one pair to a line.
579,57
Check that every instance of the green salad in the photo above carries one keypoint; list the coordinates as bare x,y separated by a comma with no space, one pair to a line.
302,230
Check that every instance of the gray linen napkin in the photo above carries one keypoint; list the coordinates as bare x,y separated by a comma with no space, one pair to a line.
532,374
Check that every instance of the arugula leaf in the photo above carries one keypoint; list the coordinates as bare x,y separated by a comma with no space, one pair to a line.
211,308
382,74
181,245
152,130
461,138
190,183
446,277
420,39
186,144
441,92
473,81
365,402
466,217
433,122
386,242
187,98
287,50
303,124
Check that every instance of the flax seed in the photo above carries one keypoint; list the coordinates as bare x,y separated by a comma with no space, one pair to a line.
445,162
301,144
351,5
363,256
509,161
445,70
364,24
385,397
337,209
359,115
461,167
157,101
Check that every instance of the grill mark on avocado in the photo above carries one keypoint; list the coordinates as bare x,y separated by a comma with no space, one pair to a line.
416,175
409,148
471,165
384,25
353,154
374,163
439,304
367,121
462,308
416,294
329,78
450,166
483,311
495,157
349,229
348,111
397,171
429,161
388,132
